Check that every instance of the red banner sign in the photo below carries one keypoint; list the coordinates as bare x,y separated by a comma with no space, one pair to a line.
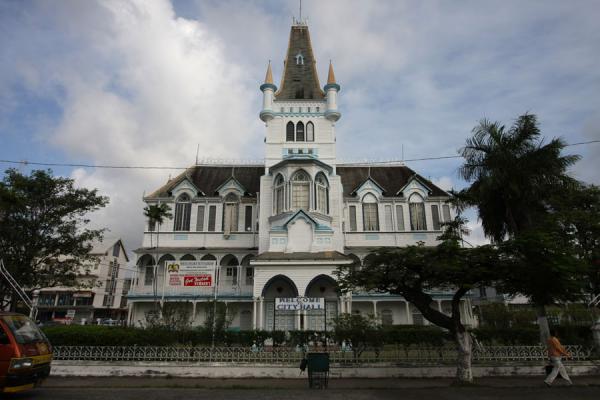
197,280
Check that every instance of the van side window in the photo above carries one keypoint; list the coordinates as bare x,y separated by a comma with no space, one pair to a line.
3,337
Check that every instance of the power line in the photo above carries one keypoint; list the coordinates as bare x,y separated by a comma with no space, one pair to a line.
215,162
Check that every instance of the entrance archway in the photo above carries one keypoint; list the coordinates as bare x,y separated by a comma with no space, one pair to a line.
279,286
322,286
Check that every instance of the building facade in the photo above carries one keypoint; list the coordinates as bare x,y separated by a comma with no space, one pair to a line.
281,229
102,290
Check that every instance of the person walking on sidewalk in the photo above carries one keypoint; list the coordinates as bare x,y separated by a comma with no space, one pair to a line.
556,351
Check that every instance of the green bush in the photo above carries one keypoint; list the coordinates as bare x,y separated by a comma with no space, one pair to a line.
523,336
407,335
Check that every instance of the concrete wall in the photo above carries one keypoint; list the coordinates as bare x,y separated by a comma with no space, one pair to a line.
217,370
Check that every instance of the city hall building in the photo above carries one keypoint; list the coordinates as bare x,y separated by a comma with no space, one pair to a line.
279,230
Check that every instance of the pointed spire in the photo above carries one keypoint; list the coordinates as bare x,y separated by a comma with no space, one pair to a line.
331,76
269,76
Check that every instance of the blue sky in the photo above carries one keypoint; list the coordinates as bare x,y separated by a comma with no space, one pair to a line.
144,82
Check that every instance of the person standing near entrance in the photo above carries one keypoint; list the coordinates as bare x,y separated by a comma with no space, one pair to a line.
556,351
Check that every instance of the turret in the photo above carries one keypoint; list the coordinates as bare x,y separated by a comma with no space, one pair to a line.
331,91
268,89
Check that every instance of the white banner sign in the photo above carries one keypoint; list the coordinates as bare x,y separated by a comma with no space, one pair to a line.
191,273
299,303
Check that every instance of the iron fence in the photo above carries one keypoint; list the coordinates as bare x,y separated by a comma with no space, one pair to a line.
292,356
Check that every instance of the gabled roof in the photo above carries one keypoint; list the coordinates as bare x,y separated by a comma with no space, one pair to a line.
390,178
369,179
300,80
208,179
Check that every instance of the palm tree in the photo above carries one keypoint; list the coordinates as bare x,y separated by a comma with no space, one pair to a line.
513,174
156,214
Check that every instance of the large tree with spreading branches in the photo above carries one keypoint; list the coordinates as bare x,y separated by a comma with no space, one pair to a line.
44,233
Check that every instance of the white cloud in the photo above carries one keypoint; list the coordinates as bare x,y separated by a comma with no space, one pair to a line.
137,86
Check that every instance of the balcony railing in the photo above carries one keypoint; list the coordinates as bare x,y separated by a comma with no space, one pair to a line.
395,239
225,289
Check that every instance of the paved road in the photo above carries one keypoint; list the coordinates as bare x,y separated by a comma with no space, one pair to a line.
480,393
530,388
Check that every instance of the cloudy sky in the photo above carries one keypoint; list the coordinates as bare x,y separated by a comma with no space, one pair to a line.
145,82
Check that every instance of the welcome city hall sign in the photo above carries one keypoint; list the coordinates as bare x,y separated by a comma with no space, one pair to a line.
299,303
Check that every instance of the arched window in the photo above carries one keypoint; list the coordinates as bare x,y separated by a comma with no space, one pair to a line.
310,132
278,195
322,194
370,213
183,209
230,214
289,132
300,132
300,191
416,207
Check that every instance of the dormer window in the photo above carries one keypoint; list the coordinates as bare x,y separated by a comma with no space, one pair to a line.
416,208
299,59
183,209
370,213
230,214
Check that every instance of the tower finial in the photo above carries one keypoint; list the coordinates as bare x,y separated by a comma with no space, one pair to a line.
269,75
331,75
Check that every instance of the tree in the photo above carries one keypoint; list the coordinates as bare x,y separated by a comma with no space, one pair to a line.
43,235
577,212
156,214
415,271
361,332
513,174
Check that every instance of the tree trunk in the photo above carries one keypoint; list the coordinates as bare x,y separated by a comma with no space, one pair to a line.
464,372
542,321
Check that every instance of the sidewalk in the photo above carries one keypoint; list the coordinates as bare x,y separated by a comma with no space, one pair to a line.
340,384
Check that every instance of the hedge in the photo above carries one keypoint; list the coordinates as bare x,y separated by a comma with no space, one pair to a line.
92,335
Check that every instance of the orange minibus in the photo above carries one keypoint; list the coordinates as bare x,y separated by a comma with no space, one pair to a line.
25,353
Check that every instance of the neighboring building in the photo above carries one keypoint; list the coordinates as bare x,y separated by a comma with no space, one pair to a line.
103,291
280,229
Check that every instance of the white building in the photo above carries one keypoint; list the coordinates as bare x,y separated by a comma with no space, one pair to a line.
102,292
281,229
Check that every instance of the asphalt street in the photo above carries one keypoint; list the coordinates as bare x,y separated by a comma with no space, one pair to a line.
156,388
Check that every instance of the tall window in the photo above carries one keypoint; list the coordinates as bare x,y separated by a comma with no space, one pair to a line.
400,217
446,213
370,213
183,209
278,195
322,194
200,219
300,132
289,132
230,214
389,218
212,216
352,212
435,217
310,131
416,209
301,191
248,219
